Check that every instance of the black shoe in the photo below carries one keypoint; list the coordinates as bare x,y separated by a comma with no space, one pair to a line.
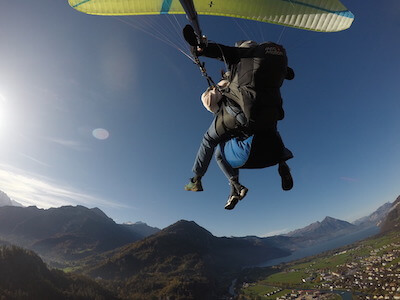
242,191
287,180
238,192
233,199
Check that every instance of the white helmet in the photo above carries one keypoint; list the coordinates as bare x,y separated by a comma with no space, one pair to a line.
246,44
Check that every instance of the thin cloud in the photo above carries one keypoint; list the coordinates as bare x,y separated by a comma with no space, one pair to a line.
32,189
34,159
349,179
75,145
50,97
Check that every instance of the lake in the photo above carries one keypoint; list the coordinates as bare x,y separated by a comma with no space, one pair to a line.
325,246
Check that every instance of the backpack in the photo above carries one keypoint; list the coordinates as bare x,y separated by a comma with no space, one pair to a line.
255,82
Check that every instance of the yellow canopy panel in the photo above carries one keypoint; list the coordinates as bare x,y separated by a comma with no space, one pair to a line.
316,15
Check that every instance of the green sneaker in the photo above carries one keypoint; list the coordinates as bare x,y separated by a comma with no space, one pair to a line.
194,185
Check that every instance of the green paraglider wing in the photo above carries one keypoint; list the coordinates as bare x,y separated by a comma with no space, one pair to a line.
315,15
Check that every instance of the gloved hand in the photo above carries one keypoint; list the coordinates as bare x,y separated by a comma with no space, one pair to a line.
289,74
190,36
196,50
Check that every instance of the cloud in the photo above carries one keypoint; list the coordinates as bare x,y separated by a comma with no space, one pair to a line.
32,189
276,232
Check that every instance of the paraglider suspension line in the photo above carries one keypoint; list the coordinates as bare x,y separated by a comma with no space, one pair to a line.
203,71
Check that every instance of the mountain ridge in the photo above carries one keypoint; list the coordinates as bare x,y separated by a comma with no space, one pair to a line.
392,220
182,254
328,226
182,259
141,228
376,217
62,233
70,233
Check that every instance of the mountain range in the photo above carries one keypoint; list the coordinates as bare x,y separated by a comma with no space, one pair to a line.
70,233
144,262
183,254
328,227
376,217
65,233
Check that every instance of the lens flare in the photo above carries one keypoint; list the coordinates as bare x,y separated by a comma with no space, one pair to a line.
101,133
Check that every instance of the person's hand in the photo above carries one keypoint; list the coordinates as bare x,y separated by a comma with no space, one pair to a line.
196,50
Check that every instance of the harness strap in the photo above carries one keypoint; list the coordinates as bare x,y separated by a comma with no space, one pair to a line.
203,71
227,123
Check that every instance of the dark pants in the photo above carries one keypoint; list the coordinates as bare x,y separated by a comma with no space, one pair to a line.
223,128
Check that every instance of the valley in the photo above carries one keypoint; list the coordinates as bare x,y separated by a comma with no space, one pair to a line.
185,261
369,269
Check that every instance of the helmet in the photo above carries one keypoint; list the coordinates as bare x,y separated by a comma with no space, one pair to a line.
246,44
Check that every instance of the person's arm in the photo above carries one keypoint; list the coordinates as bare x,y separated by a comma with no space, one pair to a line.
230,54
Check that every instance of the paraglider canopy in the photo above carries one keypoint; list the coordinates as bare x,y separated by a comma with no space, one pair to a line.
315,15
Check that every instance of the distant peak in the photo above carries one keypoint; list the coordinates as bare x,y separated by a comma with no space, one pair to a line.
182,221
4,199
184,224
135,223
187,227
7,201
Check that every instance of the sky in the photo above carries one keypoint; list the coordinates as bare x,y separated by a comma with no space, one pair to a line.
104,112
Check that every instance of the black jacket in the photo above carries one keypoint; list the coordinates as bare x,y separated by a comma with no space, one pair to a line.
256,77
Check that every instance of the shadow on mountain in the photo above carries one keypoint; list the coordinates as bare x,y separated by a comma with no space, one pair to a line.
24,276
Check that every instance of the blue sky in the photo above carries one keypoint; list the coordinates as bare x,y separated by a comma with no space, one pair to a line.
64,74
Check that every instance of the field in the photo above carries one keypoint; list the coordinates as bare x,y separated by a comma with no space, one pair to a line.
319,271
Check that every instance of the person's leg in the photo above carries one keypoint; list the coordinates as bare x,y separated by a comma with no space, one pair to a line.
219,131
225,167
238,191
227,120
283,168
206,150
